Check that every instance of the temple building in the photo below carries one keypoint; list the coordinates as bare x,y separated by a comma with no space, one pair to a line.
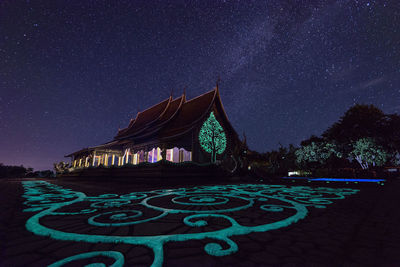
176,130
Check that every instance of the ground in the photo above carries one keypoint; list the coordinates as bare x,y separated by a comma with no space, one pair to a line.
283,225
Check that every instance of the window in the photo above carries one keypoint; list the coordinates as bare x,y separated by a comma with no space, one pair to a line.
178,155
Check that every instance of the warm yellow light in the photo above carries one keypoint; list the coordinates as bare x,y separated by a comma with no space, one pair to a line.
159,157
94,158
126,156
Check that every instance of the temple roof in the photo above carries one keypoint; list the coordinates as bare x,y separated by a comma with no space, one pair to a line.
190,112
108,145
172,109
168,119
144,118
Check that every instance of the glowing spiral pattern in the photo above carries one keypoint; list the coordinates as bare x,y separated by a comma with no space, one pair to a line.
199,208
200,200
117,256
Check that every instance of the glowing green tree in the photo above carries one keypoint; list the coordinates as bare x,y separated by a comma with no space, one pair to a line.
367,152
316,153
212,137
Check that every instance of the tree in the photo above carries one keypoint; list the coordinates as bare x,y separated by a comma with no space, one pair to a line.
288,158
360,121
278,162
396,159
13,171
312,139
60,167
212,137
316,153
390,137
367,153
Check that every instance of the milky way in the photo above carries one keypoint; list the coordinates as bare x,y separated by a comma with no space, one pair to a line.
73,72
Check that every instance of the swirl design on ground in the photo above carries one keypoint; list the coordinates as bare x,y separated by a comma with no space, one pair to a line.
197,209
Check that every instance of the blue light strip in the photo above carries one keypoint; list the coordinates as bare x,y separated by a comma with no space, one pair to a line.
347,180
296,178
336,179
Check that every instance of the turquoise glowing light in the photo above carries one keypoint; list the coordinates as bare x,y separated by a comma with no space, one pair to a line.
117,256
196,206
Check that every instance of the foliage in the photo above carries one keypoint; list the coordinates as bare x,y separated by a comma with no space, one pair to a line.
363,133
41,174
61,166
13,171
275,163
357,122
365,121
390,137
312,139
318,153
283,159
212,137
367,152
396,159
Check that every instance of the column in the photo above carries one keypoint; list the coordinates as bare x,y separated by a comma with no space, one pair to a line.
127,156
94,158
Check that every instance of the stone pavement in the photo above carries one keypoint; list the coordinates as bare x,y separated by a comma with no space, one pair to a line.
339,228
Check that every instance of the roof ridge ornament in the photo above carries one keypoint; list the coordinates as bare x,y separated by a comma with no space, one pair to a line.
218,81
184,93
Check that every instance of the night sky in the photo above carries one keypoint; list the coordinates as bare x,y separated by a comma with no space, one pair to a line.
73,72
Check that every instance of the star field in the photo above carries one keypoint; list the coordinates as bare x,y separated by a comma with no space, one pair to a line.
73,72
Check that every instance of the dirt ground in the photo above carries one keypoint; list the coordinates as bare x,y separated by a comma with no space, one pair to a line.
362,229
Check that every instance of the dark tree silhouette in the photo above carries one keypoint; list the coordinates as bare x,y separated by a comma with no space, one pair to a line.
359,121
13,171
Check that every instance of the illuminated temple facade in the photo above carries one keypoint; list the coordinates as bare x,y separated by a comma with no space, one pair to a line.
175,130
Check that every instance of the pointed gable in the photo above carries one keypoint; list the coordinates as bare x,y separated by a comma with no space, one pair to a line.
172,109
190,112
172,118
144,118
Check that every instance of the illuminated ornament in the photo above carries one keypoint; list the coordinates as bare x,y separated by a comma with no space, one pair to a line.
212,137
197,207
